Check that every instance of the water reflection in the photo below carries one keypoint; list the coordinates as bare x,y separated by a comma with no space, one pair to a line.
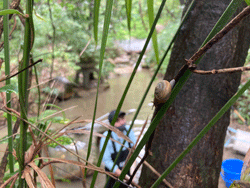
109,99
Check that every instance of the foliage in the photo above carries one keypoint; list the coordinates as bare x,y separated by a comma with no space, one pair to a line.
243,105
10,11
9,88
248,57
63,140
163,38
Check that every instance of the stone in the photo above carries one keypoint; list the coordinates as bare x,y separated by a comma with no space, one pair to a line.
69,171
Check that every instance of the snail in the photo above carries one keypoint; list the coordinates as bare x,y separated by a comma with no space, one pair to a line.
163,91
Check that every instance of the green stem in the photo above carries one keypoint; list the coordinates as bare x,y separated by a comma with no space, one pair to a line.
109,5
7,72
39,93
53,40
23,88
154,76
121,177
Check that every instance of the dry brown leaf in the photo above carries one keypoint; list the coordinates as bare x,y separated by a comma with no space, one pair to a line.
9,180
56,160
14,153
32,135
47,136
28,177
71,122
143,127
50,167
13,182
110,127
94,133
29,154
42,176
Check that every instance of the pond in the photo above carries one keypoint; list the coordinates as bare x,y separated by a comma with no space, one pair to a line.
109,99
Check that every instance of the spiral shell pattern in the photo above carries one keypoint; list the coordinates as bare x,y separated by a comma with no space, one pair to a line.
162,92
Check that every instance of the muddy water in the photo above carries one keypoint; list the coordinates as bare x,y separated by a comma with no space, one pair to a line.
109,99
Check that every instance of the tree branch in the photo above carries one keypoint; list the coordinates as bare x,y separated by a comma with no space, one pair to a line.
245,12
190,63
226,70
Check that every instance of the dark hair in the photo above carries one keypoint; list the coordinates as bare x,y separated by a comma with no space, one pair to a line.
112,114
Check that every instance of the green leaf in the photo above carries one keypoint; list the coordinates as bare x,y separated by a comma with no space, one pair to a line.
59,108
150,4
8,175
96,19
128,10
10,11
9,88
13,118
248,2
64,140
108,11
4,140
59,119
47,113
38,16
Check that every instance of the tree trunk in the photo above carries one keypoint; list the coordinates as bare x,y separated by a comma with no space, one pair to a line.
199,100
182,2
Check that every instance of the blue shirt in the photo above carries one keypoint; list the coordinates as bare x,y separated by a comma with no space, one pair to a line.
109,149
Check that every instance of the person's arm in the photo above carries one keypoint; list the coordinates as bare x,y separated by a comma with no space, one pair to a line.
118,173
132,137
107,154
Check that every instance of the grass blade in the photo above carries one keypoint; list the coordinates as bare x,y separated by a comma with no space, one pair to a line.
23,86
156,72
109,5
150,4
96,18
7,72
131,78
128,11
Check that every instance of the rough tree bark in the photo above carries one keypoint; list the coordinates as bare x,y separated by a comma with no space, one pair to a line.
199,100
182,2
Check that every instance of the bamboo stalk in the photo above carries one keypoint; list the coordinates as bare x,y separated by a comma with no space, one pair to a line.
8,95
23,88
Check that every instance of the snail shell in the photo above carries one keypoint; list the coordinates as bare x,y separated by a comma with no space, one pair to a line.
162,92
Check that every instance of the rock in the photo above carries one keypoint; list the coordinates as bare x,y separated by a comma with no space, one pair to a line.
240,184
245,173
123,59
62,88
73,172
133,45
